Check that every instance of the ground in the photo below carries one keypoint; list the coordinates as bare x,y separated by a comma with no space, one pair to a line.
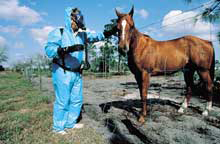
112,105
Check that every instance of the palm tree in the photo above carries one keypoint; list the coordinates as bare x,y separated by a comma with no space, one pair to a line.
211,13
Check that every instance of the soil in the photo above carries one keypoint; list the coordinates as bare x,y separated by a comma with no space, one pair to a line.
112,106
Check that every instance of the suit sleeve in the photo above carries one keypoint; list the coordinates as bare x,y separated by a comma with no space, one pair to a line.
53,43
94,37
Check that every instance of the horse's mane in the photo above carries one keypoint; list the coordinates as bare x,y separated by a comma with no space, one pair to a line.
146,35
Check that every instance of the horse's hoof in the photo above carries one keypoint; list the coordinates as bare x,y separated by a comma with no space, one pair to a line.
141,120
205,113
181,110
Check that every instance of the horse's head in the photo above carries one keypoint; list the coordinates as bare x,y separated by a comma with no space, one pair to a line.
125,26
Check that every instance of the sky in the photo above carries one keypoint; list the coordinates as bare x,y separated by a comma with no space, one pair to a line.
25,24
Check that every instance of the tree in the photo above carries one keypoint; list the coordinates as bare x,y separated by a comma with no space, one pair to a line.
93,59
3,55
107,58
211,13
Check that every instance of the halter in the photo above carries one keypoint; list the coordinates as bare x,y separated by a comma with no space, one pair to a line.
130,31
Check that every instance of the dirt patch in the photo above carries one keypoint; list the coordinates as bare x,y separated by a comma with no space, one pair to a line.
112,106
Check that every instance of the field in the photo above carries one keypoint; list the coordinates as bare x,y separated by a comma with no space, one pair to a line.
111,107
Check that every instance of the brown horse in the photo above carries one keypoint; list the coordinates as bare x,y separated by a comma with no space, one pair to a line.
147,57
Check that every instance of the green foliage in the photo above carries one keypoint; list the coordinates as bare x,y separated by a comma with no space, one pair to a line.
217,73
107,59
38,61
3,55
17,99
211,13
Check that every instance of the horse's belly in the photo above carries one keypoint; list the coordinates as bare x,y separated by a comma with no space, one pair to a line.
157,72
168,65
174,62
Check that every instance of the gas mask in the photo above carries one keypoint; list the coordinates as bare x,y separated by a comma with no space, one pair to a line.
77,16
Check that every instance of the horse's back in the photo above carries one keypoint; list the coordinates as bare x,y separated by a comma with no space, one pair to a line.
161,56
190,48
174,54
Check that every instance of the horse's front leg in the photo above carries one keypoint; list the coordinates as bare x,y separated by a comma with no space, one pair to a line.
144,89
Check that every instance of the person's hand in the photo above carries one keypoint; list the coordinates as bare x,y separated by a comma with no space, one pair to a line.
110,30
107,34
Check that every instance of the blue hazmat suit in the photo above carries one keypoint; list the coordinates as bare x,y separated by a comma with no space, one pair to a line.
67,85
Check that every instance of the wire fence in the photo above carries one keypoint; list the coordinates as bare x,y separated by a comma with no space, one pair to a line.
106,63
180,79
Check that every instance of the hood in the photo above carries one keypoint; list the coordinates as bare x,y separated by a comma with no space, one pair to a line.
67,18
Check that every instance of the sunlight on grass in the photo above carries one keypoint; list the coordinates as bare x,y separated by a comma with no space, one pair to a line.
26,115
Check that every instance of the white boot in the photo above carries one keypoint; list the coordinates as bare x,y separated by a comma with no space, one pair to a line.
78,126
60,132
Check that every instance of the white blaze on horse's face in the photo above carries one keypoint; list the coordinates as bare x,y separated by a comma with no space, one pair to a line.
123,29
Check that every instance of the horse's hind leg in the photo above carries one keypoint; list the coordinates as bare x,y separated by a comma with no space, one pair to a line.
205,76
188,77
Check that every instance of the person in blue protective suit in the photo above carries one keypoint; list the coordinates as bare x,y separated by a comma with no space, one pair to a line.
66,49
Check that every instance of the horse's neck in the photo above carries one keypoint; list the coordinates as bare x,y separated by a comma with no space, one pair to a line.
135,36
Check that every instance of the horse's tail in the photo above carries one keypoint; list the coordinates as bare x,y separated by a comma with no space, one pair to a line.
212,69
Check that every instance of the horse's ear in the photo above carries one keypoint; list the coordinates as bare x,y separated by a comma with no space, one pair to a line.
132,11
118,13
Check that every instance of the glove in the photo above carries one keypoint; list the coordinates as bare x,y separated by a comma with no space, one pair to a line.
107,34
110,30
61,52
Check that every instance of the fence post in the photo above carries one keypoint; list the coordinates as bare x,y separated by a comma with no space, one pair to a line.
40,79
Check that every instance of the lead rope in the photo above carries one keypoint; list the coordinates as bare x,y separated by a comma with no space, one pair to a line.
86,65
184,45
125,91
210,38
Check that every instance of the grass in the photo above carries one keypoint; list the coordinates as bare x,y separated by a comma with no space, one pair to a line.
26,115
